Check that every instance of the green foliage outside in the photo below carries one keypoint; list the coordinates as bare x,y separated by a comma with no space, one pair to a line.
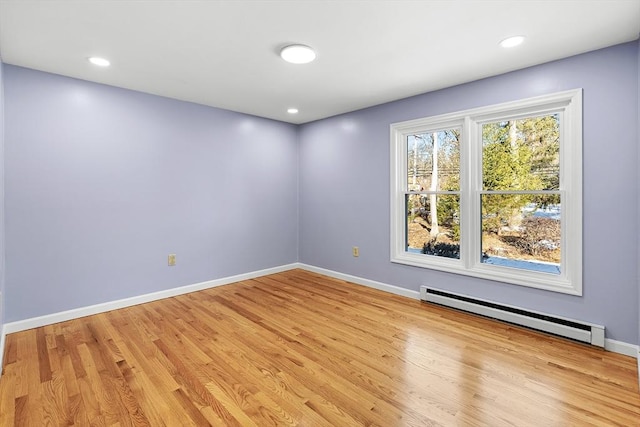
517,155
521,155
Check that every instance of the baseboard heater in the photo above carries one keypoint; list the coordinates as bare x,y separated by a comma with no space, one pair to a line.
576,330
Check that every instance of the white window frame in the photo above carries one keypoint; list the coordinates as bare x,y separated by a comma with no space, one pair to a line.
568,105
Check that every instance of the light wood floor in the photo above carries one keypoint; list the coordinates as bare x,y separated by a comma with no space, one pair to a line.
297,348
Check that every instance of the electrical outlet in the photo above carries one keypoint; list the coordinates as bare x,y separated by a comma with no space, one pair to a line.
356,251
172,260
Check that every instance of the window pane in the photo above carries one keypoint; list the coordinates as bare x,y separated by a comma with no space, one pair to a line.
522,154
434,166
522,231
433,224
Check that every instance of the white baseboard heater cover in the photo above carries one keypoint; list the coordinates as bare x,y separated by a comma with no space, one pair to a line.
569,328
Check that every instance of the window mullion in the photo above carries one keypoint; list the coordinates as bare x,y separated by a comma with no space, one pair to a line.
468,240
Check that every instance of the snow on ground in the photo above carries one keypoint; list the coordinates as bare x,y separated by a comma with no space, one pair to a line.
551,211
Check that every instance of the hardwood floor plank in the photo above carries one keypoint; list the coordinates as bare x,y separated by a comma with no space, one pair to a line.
229,411
43,355
55,402
8,400
66,365
190,408
301,349
21,413
198,382
10,352
92,388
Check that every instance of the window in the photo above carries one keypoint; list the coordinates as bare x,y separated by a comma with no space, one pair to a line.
493,192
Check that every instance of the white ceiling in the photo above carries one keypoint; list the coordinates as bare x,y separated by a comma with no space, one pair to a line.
225,53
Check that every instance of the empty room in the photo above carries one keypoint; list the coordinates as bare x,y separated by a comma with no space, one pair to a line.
319,213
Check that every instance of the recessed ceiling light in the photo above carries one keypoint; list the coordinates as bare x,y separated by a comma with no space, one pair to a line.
100,62
292,111
512,41
298,54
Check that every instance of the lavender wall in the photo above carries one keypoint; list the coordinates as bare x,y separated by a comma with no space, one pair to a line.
2,264
103,183
344,188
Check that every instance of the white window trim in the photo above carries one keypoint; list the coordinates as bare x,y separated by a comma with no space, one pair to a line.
569,105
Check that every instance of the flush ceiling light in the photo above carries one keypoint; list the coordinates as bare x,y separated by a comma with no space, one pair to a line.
100,62
512,41
298,54
292,111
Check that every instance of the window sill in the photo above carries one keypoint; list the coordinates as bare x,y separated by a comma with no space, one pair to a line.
539,280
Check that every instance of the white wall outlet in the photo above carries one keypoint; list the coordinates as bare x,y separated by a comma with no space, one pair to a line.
172,260
356,251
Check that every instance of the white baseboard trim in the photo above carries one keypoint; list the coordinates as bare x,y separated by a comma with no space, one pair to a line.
35,322
361,281
621,347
